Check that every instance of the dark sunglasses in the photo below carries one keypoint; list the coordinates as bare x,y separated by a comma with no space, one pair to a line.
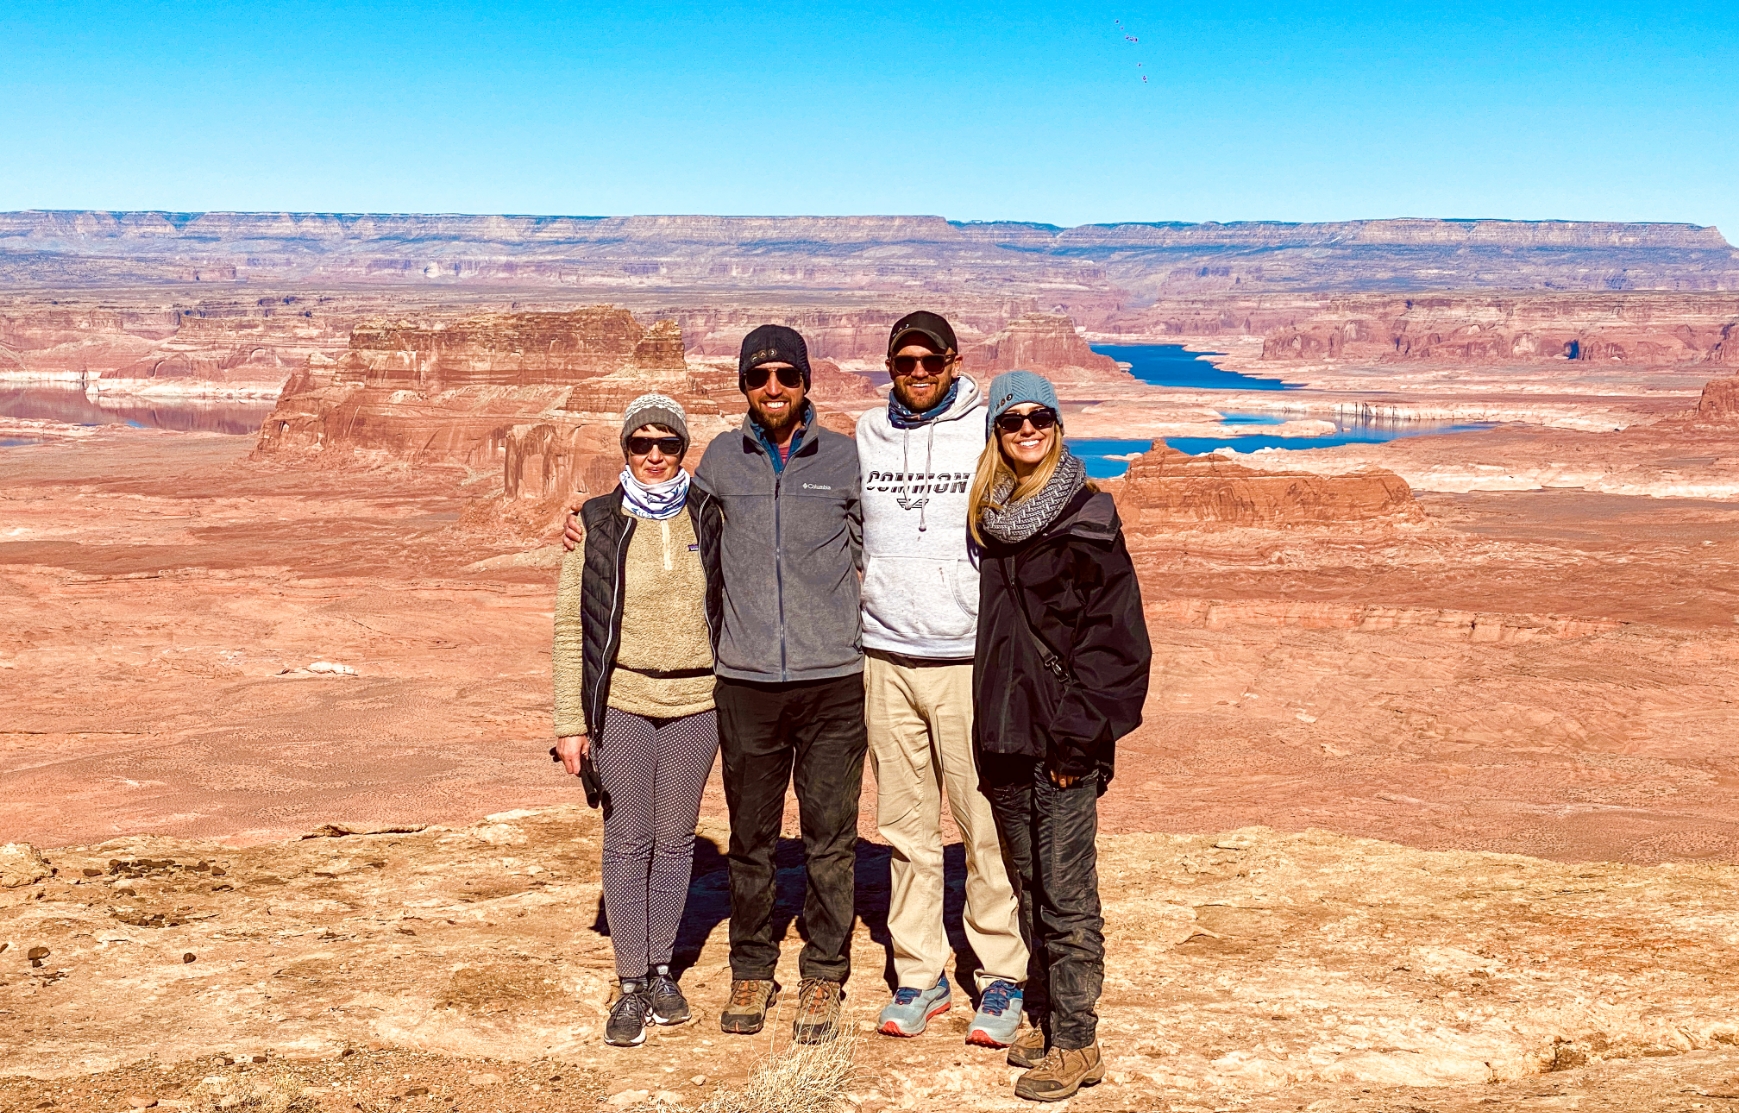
670,446
1041,419
934,365
756,377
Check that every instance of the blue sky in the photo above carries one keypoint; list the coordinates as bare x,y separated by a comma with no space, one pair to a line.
995,111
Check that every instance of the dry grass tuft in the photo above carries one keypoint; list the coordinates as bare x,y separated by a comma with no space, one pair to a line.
800,1078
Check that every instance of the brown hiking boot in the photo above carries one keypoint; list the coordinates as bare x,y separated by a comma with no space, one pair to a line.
748,1007
1061,1074
817,1011
1028,1049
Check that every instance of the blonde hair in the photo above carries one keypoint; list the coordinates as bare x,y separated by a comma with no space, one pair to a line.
993,468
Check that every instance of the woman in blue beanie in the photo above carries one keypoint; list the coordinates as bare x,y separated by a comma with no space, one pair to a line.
1060,674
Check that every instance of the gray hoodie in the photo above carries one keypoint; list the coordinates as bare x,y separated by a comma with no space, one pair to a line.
920,589
790,550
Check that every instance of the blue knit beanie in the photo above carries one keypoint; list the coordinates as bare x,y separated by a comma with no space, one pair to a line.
1012,388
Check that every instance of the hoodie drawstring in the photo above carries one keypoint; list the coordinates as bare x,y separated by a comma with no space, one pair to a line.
929,473
906,470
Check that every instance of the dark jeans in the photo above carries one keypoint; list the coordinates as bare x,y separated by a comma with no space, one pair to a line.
1048,835
810,734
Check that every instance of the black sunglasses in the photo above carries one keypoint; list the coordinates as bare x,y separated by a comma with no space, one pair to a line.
1041,419
905,365
670,446
756,377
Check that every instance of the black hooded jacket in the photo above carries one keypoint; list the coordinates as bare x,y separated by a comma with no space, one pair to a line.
1077,586
608,532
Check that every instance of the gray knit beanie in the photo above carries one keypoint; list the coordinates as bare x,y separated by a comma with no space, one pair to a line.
655,409
1012,388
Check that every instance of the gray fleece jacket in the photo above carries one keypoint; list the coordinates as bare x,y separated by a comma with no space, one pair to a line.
790,552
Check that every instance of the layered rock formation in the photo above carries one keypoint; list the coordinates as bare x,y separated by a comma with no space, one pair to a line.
140,345
1719,403
1043,342
1071,268
1166,490
1643,329
464,390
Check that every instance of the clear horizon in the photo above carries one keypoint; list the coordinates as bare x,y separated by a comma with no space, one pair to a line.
1020,112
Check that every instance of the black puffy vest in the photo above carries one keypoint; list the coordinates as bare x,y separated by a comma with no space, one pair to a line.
608,532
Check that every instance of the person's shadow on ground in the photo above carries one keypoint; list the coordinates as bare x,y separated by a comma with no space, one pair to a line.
709,903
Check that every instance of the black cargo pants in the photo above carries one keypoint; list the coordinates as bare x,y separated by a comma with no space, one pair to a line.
809,734
1049,836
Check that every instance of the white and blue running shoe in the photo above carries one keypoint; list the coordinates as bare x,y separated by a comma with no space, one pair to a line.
911,1010
998,1016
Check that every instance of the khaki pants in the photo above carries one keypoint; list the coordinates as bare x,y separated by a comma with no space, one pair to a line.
920,737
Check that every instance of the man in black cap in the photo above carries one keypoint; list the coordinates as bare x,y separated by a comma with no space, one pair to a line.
790,675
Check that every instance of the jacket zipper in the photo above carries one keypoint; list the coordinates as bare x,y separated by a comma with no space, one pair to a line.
706,612
617,604
779,566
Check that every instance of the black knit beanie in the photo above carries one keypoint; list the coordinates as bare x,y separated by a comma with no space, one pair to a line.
772,344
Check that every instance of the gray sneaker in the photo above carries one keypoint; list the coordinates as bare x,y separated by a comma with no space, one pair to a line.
998,1016
628,1017
668,1005
911,1010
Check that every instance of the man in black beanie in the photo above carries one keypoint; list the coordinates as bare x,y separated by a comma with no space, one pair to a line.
789,661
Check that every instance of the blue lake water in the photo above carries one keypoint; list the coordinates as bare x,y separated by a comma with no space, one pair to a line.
1098,454
1170,365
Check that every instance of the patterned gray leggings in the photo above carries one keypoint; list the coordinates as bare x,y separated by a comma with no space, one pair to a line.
653,771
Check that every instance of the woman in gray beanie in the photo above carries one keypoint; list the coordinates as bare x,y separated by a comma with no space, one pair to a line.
1060,673
636,609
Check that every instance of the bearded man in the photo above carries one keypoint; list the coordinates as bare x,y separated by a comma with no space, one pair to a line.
920,622
790,676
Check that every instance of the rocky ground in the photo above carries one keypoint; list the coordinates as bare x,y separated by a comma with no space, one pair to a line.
1309,864
466,968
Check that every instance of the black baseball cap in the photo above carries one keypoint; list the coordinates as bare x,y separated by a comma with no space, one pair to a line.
932,326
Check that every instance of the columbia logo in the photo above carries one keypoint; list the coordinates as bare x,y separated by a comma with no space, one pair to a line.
816,487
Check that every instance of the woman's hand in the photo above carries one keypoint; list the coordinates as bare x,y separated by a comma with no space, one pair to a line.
573,533
571,749
1062,780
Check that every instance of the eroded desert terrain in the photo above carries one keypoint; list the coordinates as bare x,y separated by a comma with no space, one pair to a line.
1436,805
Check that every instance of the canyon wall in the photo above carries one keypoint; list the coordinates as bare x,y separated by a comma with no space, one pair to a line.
532,397
1085,271
1454,326
139,345
452,390
1647,329
1166,490
1719,404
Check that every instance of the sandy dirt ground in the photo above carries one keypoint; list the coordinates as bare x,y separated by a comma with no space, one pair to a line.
1545,673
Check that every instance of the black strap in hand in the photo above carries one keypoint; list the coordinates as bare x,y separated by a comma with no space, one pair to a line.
1054,664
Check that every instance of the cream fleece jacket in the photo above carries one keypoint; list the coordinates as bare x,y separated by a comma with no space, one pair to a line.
663,629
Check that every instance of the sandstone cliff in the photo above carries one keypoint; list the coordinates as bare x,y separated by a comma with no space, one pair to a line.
1067,267
1720,401
1165,489
1645,329
162,346
1043,342
454,390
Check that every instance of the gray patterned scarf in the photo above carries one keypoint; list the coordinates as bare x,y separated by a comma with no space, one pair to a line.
1012,524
